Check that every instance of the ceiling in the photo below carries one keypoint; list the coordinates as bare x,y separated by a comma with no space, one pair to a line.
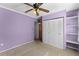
52,7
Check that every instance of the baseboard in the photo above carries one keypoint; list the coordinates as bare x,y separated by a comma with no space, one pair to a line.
16,46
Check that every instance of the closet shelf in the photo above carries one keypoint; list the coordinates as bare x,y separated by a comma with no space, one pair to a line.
72,17
72,25
72,47
72,34
74,42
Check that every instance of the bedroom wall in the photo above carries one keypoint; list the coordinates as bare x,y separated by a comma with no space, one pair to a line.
15,29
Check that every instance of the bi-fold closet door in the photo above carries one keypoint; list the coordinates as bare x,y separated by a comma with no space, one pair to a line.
53,32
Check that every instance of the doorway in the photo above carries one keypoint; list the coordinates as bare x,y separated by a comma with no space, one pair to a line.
39,29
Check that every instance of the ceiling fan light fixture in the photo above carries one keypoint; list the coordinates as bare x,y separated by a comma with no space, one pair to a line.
36,8
36,11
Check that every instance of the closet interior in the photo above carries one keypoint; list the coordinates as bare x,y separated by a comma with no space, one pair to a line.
72,29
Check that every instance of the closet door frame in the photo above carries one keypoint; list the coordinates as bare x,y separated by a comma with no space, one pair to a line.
64,30
78,27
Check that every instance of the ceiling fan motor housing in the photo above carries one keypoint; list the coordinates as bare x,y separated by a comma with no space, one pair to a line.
36,6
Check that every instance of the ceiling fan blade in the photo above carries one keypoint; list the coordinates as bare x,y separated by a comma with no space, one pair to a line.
40,4
28,4
28,10
45,10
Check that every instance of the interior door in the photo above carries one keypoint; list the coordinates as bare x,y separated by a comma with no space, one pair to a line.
40,31
53,32
60,32
45,31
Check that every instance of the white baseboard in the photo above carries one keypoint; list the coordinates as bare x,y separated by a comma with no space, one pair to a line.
16,46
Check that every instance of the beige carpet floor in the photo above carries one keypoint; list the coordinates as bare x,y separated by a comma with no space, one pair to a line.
39,49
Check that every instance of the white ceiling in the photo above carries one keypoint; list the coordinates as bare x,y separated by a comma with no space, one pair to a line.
52,7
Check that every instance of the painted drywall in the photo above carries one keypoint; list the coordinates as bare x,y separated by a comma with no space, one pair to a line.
52,17
55,7
15,29
52,7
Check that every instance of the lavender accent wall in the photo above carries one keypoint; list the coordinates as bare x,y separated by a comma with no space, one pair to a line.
15,29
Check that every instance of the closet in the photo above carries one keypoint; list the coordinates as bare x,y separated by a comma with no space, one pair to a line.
53,32
61,29
72,31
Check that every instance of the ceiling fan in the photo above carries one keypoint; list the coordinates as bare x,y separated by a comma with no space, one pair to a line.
36,8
